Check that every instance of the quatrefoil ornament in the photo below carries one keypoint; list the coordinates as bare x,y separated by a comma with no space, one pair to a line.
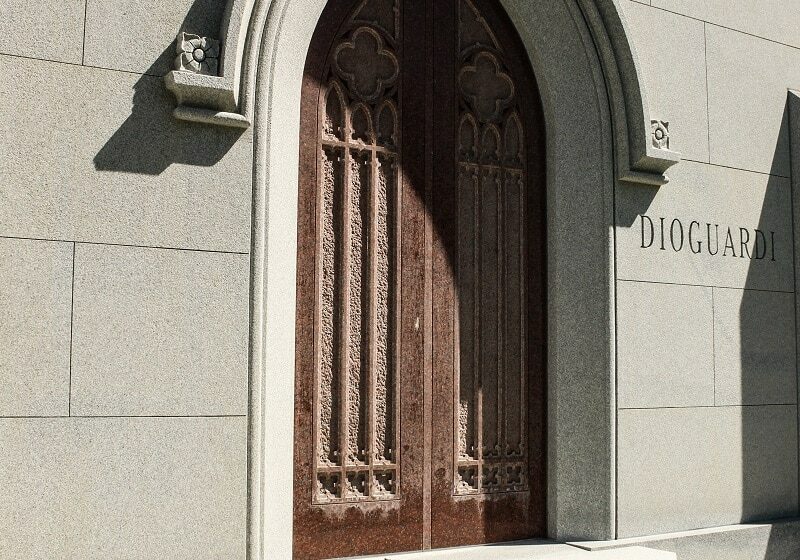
487,88
366,65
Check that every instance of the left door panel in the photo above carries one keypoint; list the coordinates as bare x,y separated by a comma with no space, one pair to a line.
358,432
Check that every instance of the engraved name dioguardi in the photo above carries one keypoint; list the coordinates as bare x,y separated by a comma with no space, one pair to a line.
666,234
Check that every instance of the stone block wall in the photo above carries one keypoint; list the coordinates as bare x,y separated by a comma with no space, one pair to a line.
707,364
124,291
125,265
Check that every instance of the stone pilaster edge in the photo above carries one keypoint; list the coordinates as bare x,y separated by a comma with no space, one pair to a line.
793,106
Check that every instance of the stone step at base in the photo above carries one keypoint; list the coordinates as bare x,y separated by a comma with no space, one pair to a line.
529,550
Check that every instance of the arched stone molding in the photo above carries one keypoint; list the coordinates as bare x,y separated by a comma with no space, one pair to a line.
597,133
640,157
226,99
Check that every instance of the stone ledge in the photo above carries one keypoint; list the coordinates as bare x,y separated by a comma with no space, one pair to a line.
530,550
719,531
778,540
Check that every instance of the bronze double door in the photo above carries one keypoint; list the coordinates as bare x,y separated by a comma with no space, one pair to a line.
420,403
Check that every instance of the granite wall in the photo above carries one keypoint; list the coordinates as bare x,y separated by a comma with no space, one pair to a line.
124,279
707,370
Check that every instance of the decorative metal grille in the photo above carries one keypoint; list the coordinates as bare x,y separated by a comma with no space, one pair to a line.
491,412
356,406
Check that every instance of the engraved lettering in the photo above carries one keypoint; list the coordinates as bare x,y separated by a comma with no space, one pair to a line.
760,249
696,249
729,244
772,237
716,239
748,243
646,245
744,239
672,235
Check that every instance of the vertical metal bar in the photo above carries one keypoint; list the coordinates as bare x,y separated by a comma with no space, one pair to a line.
523,375
372,329
395,209
476,327
344,302
427,320
501,292
318,279
457,326
397,262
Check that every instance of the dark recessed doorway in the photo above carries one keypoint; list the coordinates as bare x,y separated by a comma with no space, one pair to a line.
420,395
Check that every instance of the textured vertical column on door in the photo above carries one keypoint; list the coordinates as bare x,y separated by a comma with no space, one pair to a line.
491,454
356,409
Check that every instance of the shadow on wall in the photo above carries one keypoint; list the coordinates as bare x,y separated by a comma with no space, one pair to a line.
151,139
784,542
756,369
768,371
637,203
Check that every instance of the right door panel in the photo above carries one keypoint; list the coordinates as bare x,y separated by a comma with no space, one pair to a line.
488,482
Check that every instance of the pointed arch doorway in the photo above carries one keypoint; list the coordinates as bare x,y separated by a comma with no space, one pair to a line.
420,407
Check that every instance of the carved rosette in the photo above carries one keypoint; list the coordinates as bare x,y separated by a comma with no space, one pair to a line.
356,405
197,54
660,131
491,427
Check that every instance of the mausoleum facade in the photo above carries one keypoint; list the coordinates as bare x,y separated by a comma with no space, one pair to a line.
308,279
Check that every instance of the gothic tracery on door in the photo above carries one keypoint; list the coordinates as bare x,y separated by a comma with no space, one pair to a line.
420,333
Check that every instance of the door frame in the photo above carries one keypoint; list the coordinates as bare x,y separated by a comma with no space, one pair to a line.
594,115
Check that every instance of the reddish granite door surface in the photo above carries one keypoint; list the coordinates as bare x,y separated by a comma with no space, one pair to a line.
420,402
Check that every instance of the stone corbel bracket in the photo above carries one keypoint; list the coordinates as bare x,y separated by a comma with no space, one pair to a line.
210,93
641,143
